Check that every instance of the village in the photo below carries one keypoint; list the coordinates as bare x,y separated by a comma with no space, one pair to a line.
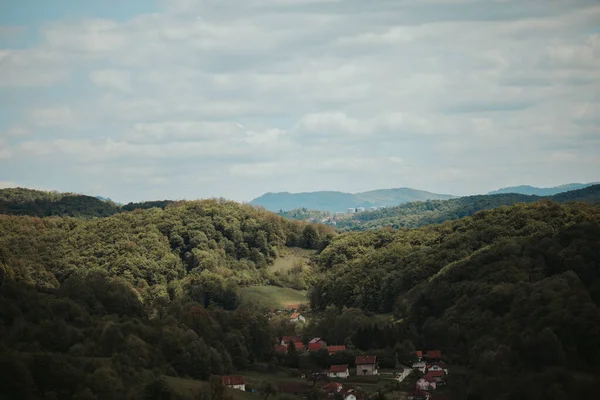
360,379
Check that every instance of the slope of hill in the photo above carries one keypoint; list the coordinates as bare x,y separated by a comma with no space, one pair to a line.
20,201
100,308
417,214
537,191
511,294
339,201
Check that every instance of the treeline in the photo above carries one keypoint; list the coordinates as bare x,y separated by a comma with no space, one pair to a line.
38,203
416,214
304,214
513,294
102,308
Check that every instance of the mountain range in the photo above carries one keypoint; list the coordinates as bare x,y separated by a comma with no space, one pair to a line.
537,191
334,201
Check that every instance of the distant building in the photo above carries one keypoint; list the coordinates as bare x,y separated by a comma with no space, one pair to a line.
360,209
297,317
333,349
351,210
372,208
235,382
286,339
366,365
338,371
316,344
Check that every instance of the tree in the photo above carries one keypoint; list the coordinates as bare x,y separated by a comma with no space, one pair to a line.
267,388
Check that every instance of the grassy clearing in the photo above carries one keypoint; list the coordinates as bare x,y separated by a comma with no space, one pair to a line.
189,388
272,296
289,257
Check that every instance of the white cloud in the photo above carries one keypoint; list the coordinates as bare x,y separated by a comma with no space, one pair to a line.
258,90
5,152
112,79
7,184
17,130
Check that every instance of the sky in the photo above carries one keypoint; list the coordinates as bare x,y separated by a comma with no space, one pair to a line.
185,99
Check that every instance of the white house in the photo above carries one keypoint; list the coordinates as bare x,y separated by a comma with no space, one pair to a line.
366,365
402,373
338,371
420,366
235,382
437,367
297,317
360,209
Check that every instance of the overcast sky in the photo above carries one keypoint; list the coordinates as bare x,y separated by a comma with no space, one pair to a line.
140,100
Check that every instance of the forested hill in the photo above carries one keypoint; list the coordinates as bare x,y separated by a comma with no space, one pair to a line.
437,211
511,293
537,191
102,308
332,201
38,203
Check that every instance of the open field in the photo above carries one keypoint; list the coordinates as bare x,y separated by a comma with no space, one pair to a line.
272,296
289,257
191,387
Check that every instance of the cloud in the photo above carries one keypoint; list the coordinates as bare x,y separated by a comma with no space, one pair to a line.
261,94
112,79
5,152
17,130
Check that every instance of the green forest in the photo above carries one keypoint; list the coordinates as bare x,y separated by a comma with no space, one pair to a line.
421,213
109,304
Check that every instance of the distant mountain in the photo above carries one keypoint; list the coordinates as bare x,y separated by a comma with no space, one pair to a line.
536,191
415,214
339,201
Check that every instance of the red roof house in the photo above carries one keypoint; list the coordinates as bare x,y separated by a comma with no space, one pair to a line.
333,349
362,360
234,381
287,339
299,345
281,348
332,387
434,354
419,354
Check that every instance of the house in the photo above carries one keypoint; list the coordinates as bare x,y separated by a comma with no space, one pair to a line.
299,346
235,382
437,376
316,344
334,349
360,209
297,317
420,366
351,210
353,394
338,371
332,387
373,208
425,383
434,355
286,339
402,373
419,354
281,348
437,367
366,365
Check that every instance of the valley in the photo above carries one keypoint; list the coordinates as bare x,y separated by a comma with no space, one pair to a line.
162,302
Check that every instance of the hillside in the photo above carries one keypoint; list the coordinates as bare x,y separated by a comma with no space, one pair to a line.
537,191
20,201
417,214
332,201
103,307
512,294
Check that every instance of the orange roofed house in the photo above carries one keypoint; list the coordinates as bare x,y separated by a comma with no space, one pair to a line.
366,365
297,317
235,382
316,344
334,349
